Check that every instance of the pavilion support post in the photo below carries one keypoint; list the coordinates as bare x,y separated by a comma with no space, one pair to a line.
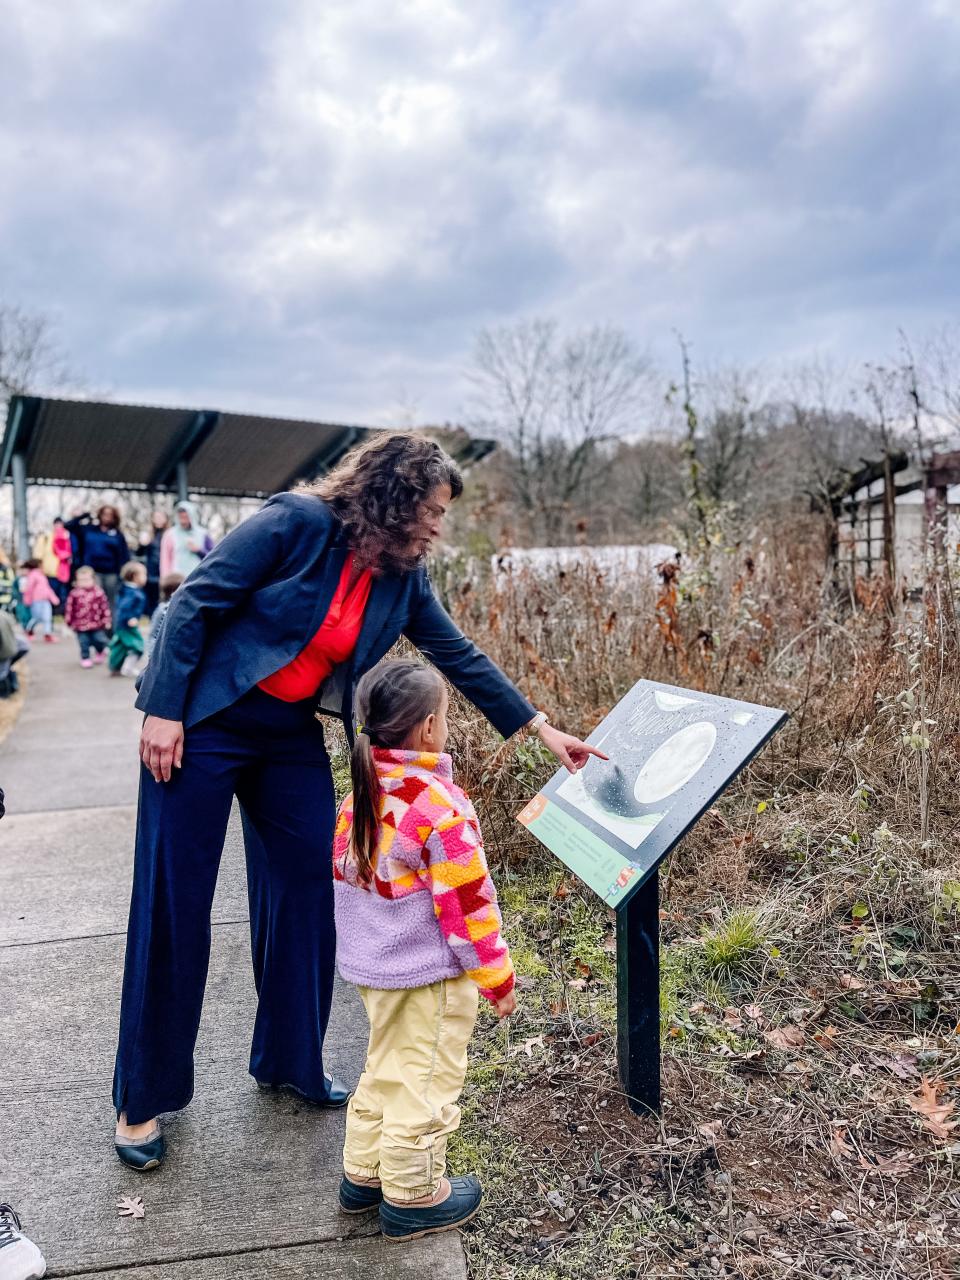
21,522
183,490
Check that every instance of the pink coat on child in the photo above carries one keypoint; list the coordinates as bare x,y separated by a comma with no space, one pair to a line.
38,588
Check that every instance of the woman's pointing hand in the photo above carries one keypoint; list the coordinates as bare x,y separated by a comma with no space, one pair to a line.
570,751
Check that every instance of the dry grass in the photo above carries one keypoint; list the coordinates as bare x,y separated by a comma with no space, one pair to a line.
810,978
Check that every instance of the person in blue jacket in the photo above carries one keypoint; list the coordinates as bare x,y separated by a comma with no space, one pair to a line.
99,542
280,620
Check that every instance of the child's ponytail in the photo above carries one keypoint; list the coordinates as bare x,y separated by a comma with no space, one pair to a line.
366,806
392,700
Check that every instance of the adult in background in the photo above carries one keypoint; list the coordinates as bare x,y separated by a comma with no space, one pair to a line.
102,546
185,543
293,605
55,552
63,550
148,550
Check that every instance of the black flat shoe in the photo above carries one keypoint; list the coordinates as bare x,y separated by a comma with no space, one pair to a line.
146,1154
355,1197
337,1096
463,1202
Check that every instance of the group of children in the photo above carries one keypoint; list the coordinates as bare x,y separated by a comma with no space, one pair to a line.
114,637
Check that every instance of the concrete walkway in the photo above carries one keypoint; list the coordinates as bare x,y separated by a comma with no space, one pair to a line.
249,1187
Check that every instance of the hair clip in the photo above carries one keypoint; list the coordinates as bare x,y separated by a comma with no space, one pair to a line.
361,728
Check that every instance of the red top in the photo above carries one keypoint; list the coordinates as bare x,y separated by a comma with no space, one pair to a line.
335,641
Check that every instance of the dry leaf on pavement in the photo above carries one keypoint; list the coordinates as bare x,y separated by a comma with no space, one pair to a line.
926,1102
130,1207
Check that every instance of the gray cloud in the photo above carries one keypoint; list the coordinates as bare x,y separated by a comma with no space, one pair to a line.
312,208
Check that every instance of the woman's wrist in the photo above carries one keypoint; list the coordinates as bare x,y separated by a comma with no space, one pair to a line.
537,723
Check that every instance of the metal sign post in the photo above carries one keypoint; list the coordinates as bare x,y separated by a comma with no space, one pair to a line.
638,997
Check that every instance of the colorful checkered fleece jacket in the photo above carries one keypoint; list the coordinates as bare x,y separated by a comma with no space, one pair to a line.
430,910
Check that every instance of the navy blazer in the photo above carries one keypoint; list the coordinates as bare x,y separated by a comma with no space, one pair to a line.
260,596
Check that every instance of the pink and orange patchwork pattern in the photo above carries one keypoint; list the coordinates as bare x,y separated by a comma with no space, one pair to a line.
429,841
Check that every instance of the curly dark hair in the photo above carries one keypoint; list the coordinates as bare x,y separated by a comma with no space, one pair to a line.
377,493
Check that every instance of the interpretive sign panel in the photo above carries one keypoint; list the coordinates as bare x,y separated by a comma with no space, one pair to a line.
672,751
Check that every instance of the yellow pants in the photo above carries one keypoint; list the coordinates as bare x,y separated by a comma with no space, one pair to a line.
405,1105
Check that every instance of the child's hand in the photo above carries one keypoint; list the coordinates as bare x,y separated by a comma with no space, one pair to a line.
506,1005
133,623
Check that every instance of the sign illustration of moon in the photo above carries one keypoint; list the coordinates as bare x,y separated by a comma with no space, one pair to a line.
675,762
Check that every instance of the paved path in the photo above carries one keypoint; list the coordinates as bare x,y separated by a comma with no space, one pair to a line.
249,1188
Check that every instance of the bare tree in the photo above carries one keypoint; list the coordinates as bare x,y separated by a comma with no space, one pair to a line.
30,358
940,374
557,403
733,421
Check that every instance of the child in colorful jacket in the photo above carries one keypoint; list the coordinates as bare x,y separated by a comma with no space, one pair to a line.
40,598
418,931
88,615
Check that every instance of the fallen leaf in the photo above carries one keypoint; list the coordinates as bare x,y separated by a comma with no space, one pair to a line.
578,984
839,1145
898,1165
711,1131
785,1037
583,969
561,891
731,1019
826,1037
528,1046
698,1006
593,1038
753,1012
926,1102
130,1207
752,1060
902,1065
850,982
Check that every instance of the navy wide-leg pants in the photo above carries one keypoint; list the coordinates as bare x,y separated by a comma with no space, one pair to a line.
271,756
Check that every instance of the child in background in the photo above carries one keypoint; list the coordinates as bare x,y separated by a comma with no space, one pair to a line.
127,643
40,598
8,583
88,614
168,585
418,931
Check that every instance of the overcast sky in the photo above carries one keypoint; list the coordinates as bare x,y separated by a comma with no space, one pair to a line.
309,207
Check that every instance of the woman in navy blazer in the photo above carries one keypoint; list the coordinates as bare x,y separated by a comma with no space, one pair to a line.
210,734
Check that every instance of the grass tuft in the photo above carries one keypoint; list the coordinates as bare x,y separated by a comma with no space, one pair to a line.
735,943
